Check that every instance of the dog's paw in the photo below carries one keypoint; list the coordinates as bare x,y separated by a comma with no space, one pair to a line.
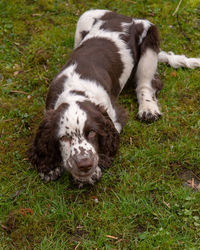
149,113
52,175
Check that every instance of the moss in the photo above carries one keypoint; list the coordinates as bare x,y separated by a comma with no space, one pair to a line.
23,229
47,5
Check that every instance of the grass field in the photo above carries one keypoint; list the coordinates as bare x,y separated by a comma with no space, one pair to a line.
141,202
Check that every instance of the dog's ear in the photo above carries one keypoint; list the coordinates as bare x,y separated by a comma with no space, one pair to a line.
109,140
44,152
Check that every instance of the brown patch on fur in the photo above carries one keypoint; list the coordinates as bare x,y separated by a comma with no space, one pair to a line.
65,138
95,20
55,89
132,39
98,60
77,92
151,40
113,21
45,152
122,114
83,34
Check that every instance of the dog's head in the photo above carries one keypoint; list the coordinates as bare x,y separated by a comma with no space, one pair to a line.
79,137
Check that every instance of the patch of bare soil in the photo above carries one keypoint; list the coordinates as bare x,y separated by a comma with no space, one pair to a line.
191,180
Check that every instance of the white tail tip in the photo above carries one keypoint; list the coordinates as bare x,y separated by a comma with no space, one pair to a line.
177,61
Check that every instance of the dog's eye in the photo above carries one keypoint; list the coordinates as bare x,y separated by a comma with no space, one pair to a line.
91,135
65,138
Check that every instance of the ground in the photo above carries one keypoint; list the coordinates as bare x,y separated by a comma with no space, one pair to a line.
142,202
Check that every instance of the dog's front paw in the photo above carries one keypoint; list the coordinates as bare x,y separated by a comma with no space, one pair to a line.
149,113
52,175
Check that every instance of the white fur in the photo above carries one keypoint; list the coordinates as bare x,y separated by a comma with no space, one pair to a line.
145,93
69,119
177,61
95,93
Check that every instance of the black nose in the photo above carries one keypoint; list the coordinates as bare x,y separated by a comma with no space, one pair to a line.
84,164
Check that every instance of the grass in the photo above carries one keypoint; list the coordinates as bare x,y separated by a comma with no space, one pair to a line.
141,200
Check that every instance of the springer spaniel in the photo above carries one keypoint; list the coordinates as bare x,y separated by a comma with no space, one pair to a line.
82,122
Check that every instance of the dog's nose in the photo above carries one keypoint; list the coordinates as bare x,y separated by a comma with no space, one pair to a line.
84,164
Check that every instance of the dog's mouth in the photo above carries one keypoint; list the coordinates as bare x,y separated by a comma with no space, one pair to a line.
90,179
82,173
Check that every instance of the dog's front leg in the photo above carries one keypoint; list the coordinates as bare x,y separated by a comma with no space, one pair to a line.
147,86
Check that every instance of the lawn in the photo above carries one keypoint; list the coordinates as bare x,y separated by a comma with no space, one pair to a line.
142,201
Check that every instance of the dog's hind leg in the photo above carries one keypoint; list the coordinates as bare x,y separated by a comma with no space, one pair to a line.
148,83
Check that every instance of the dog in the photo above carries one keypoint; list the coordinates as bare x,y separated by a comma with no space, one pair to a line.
81,128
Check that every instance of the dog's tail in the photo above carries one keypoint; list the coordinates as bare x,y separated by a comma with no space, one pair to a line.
177,61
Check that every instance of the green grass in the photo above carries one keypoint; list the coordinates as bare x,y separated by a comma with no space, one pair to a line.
141,200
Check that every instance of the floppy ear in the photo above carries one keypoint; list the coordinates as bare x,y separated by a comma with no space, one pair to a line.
109,140
44,152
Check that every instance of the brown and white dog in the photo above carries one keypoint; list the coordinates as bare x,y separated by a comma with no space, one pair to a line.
82,122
